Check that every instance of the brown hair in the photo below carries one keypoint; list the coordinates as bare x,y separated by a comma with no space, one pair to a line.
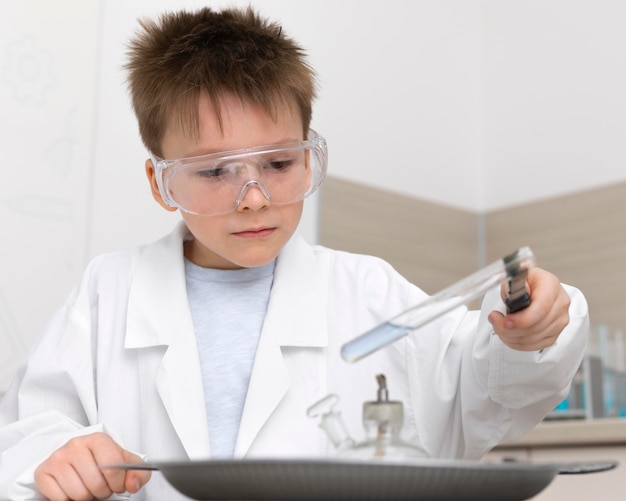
174,59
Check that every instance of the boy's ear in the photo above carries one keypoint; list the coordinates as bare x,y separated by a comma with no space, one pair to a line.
154,187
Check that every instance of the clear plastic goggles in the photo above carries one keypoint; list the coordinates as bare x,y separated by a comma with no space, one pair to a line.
217,183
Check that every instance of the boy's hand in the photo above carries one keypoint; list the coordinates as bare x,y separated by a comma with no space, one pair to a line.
539,325
73,471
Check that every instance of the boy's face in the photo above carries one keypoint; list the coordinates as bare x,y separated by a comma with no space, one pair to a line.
253,233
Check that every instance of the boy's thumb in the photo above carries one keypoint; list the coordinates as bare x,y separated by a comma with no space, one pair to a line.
135,479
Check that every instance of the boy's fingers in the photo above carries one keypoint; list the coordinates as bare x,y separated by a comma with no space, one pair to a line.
110,453
495,319
65,484
120,480
135,479
538,336
74,470
50,488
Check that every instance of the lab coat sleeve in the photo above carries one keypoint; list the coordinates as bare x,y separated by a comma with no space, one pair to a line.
52,397
470,392
514,385
465,390
522,387
28,442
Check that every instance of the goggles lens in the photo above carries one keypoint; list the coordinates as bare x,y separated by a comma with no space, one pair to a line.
217,183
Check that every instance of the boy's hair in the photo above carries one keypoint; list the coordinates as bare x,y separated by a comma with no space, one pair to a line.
174,59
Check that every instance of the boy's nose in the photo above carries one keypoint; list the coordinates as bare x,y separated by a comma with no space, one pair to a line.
253,196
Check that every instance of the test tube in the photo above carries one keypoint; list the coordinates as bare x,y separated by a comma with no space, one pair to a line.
463,291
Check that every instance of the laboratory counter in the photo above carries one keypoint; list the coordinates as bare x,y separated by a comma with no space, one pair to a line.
574,433
574,440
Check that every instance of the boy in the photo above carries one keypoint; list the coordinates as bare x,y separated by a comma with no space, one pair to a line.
215,340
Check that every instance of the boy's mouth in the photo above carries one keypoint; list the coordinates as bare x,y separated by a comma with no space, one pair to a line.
255,233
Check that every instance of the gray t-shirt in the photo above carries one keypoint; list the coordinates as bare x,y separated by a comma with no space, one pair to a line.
228,308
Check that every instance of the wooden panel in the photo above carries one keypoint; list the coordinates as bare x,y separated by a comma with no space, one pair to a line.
431,245
580,237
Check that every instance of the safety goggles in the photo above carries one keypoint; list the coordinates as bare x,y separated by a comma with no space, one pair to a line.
217,183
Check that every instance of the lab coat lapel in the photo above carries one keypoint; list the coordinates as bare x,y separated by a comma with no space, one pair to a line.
296,316
158,315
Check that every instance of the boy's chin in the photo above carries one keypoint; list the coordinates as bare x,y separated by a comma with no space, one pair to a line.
254,261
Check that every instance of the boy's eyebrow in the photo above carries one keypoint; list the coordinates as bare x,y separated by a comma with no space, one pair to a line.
210,151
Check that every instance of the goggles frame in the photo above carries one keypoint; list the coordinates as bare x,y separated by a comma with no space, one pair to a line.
315,143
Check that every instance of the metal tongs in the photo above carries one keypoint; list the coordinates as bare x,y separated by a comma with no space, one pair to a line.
512,267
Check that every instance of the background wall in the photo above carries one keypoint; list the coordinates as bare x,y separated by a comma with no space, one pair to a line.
472,105
577,236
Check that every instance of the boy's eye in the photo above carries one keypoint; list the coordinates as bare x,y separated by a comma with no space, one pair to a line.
213,173
279,164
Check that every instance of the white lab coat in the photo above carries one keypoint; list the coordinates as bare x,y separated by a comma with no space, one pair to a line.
121,357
